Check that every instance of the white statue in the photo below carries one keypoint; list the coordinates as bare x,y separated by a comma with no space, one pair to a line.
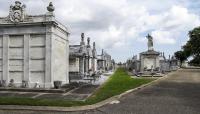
17,12
150,42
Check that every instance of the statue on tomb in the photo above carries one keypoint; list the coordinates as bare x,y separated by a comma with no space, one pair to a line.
17,12
150,42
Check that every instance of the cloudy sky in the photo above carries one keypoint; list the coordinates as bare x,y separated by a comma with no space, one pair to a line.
120,26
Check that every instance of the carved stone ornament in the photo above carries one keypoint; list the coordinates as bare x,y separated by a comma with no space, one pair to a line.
17,12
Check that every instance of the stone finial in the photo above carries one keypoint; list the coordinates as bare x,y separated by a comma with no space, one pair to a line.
50,8
94,45
88,41
82,37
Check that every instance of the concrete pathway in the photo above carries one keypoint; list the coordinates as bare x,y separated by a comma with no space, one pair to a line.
178,94
79,93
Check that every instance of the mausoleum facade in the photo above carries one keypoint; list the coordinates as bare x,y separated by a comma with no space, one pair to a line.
33,49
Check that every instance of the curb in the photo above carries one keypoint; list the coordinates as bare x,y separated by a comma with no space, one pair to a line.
80,108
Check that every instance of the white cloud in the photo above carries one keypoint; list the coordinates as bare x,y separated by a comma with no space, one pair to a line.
174,23
73,11
163,37
120,24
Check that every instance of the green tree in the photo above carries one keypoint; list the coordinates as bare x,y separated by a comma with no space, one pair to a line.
181,56
194,41
195,61
192,47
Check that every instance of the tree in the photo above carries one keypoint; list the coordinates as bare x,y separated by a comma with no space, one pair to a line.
192,47
195,61
181,56
194,41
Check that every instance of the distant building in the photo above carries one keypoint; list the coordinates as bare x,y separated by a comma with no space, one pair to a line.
113,66
104,62
133,64
82,60
150,58
151,61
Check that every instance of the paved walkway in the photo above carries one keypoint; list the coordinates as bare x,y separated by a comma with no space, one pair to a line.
178,94
79,93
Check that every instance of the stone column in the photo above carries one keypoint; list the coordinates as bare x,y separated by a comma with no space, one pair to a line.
6,58
86,64
81,65
26,58
48,56
141,63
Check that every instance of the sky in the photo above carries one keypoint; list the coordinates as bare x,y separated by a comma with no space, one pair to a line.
120,27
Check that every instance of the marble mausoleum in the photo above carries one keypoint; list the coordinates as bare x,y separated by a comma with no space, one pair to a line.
33,48
150,58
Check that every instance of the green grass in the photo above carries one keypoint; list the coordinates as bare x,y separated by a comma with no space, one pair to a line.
118,83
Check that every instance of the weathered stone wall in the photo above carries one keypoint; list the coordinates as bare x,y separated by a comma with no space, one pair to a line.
16,57
82,65
74,64
60,56
149,62
37,58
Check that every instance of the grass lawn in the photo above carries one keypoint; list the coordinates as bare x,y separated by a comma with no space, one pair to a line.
118,83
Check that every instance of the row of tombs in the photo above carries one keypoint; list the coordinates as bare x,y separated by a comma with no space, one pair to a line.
151,62
35,52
